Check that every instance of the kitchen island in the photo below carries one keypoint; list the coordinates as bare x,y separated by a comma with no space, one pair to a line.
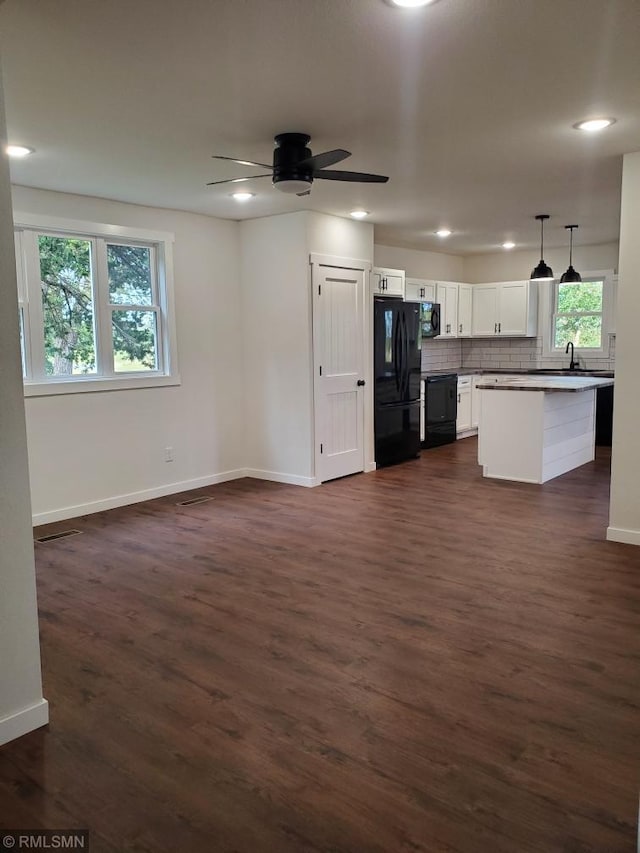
534,428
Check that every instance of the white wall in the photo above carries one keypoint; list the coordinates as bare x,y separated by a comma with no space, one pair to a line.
22,707
276,293
418,264
276,329
92,451
624,520
515,266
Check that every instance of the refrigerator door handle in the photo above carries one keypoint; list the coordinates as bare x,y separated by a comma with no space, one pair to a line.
396,352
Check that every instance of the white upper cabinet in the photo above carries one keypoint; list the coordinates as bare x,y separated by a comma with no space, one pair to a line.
484,310
387,282
508,309
447,296
420,290
518,308
464,310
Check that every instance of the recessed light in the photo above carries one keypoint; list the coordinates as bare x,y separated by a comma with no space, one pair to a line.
19,151
242,196
359,214
508,245
410,4
444,232
592,125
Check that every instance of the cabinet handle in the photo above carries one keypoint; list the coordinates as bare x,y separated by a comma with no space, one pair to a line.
460,327
495,328
499,327
422,291
459,400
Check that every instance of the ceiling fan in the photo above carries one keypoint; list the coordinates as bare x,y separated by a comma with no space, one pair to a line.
295,168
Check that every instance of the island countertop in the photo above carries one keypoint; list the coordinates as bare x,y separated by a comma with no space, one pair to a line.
546,383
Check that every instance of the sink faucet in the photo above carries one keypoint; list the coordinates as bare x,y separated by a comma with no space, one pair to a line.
574,362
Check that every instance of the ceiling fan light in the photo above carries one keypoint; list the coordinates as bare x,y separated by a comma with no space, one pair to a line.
359,214
293,187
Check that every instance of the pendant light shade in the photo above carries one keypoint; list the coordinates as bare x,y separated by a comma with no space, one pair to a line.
571,276
542,271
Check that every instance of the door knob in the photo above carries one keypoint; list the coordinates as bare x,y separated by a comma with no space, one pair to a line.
360,382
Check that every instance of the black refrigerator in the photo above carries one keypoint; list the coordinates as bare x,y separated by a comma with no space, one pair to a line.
397,356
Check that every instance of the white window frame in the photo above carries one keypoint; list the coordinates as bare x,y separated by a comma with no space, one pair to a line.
549,296
37,383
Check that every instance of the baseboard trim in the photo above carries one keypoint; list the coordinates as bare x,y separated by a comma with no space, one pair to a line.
136,497
620,534
276,477
25,721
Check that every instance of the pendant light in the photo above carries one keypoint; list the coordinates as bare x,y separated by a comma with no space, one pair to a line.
571,275
542,271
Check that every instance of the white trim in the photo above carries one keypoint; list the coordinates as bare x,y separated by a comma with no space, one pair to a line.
620,534
276,477
344,263
93,384
92,229
24,721
136,497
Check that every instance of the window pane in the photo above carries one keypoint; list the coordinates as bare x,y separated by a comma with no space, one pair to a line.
22,352
583,296
583,331
129,275
67,302
134,341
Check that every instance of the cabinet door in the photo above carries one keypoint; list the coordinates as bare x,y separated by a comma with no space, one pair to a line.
484,315
475,402
386,282
464,310
463,422
419,290
513,308
447,296
394,285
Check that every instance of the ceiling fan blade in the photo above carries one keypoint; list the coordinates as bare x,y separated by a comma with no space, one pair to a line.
363,177
241,162
238,180
328,158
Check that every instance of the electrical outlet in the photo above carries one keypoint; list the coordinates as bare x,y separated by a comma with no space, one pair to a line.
168,454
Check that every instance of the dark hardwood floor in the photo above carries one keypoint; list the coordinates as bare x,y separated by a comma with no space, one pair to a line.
411,660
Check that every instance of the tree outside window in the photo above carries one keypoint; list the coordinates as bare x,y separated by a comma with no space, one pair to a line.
578,314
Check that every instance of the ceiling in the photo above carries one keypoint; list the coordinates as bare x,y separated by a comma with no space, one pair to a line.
467,105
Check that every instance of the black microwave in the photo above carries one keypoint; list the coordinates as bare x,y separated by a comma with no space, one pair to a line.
429,319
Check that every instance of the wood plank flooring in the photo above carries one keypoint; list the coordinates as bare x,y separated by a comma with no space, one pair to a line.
412,660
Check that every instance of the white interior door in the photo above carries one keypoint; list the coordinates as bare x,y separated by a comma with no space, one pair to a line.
338,327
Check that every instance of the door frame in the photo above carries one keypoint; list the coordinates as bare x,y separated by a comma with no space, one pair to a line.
317,262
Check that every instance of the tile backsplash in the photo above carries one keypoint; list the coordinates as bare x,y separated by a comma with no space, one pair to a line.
441,355
502,353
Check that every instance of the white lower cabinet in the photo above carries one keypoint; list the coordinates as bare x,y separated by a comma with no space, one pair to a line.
463,421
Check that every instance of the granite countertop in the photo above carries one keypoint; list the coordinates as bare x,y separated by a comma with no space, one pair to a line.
480,371
547,383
